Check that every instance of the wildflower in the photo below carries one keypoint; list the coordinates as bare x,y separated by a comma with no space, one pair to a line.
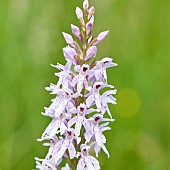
80,79
55,124
79,109
53,140
80,119
94,96
87,161
66,143
63,99
99,71
97,130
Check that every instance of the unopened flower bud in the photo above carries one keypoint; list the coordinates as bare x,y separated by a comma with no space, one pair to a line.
79,13
85,4
75,31
92,10
101,37
89,25
91,52
69,40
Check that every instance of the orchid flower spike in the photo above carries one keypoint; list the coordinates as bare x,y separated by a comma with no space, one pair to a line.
79,110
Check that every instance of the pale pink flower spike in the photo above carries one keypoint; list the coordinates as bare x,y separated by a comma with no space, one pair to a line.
79,110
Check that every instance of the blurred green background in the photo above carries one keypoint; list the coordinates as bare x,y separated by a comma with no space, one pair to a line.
139,41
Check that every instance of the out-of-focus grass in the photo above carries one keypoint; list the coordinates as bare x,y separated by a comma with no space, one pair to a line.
31,39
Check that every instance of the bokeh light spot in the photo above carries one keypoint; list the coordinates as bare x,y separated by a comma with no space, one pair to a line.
129,102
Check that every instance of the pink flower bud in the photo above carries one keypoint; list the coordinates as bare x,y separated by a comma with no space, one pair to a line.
79,13
75,31
89,25
101,37
85,4
91,52
92,10
69,40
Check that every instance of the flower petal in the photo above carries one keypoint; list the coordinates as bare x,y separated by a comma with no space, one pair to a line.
89,100
95,162
77,128
72,151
